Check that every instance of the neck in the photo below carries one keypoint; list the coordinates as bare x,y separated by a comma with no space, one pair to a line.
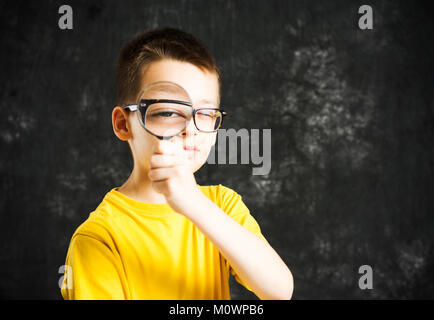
139,187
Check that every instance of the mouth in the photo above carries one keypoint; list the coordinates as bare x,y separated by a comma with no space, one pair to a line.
191,148
192,151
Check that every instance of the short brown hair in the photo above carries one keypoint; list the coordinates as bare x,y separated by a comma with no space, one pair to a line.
155,45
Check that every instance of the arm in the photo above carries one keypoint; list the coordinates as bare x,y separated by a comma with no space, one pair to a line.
94,272
254,260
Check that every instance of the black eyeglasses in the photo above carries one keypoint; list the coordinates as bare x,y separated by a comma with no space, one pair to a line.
166,118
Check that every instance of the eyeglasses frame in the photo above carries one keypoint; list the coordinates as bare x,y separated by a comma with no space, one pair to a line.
144,104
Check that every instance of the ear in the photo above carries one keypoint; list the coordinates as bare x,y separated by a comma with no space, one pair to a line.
120,123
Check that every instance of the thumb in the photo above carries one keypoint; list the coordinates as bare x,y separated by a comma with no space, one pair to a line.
168,147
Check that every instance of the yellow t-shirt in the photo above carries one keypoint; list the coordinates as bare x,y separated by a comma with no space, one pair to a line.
128,249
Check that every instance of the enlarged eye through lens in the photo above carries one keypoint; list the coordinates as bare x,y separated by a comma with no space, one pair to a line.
166,119
164,109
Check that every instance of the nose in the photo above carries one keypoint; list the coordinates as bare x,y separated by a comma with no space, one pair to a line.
190,129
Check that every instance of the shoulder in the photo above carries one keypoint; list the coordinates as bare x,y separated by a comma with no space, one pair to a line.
218,192
226,198
97,226
232,204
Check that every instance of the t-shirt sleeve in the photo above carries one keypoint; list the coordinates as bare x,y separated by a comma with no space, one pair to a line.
234,206
92,271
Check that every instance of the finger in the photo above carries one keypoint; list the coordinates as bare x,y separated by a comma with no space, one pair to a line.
162,161
163,147
160,174
167,147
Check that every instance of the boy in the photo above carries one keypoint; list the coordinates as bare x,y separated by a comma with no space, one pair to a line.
160,235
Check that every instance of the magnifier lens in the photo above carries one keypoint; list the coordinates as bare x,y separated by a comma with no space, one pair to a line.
168,109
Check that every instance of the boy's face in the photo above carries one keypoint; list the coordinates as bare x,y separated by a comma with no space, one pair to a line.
203,90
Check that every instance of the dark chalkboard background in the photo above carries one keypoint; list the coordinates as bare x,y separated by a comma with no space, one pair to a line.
351,113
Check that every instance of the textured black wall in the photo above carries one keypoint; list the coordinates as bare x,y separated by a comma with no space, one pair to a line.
351,113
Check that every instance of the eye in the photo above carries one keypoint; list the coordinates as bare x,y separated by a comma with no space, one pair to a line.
166,114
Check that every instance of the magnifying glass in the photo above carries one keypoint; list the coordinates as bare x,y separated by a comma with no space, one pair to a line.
165,110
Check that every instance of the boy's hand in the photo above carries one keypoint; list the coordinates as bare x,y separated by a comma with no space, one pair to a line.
172,175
